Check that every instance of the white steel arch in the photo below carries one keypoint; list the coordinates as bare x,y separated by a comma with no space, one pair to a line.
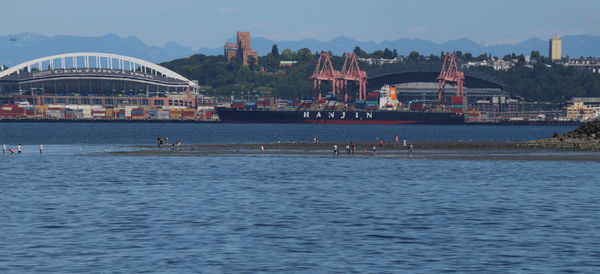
134,63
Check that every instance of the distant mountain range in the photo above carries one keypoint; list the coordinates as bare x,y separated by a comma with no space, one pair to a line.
18,48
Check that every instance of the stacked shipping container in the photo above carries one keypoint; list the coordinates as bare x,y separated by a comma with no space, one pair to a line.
87,112
457,104
372,102
238,104
265,102
12,111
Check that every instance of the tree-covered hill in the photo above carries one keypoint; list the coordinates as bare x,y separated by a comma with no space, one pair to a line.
537,82
264,77
542,83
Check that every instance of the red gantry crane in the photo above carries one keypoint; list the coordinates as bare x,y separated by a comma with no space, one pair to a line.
324,72
351,72
450,73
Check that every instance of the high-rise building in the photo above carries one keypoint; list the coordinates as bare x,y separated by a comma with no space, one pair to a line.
241,49
555,52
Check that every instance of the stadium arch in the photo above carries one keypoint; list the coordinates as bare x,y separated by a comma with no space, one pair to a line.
121,73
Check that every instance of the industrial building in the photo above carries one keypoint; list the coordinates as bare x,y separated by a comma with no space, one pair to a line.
427,92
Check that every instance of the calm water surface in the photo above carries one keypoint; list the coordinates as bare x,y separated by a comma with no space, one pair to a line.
77,209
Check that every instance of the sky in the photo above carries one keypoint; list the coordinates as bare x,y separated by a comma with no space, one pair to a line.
197,24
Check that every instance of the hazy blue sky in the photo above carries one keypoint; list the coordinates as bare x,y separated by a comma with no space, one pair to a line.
210,23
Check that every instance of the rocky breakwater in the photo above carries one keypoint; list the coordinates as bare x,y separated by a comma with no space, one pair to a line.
585,137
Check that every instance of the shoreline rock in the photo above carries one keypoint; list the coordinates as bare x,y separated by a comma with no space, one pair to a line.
584,138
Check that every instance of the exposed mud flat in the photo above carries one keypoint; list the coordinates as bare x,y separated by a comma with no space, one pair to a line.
433,150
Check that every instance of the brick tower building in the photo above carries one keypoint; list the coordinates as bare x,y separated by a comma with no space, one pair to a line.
241,49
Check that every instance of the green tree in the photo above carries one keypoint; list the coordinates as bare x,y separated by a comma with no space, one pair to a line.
377,54
359,52
252,62
387,54
482,57
536,57
521,59
304,54
434,58
414,56
235,63
467,56
271,63
275,51
288,54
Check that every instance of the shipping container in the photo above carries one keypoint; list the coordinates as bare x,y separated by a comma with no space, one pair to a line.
99,113
414,106
457,100
54,114
238,105
305,105
163,114
251,105
175,114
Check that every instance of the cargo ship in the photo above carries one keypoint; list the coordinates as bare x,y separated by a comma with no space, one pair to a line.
380,107
233,115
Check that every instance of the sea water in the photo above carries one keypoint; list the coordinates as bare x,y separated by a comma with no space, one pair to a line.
77,208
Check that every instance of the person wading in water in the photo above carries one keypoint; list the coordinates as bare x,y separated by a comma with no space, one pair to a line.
160,141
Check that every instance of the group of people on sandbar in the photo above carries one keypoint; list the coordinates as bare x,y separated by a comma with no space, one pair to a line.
351,148
165,142
19,150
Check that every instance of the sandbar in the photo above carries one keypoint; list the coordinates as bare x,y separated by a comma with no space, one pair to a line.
502,151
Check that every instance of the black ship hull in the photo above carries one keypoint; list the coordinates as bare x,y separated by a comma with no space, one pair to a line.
231,115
